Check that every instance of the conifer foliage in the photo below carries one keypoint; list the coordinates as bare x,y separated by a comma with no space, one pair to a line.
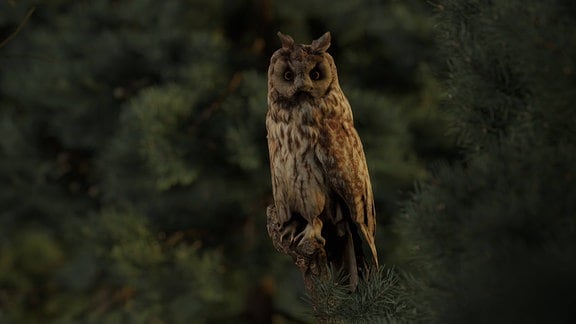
494,237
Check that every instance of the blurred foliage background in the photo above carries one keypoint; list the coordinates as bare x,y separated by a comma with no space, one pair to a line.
134,162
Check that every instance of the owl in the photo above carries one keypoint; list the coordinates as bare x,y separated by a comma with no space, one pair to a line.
323,201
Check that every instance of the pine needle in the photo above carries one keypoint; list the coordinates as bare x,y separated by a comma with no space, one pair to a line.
382,296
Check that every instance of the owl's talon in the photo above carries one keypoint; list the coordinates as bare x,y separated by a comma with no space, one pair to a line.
289,229
310,240
298,238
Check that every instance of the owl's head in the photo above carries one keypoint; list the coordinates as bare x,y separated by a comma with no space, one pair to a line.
299,72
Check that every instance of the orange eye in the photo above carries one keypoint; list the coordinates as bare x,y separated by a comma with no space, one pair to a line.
288,75
315,75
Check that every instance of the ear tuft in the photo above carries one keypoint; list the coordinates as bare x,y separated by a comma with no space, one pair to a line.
321,44
287,41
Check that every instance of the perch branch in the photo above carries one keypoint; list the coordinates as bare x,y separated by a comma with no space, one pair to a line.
312,262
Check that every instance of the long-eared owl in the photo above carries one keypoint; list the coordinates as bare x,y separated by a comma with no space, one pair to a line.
321,187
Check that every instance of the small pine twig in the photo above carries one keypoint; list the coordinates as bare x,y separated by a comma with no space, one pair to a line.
383,295
20,26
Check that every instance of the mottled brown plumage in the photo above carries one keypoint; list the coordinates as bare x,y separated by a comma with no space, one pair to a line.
323,202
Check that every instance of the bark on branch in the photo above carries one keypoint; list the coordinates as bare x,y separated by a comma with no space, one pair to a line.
311,261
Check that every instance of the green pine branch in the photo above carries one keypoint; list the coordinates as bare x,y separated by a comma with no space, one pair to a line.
383,296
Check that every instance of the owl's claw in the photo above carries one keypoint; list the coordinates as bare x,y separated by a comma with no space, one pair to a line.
310,239
307,241
288,230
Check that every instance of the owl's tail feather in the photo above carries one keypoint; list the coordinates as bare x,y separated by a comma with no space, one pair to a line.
350,261
370,240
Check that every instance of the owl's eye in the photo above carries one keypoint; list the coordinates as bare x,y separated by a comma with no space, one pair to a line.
315,75
288,75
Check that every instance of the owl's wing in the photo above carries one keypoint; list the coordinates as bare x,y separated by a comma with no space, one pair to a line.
341,154
272,150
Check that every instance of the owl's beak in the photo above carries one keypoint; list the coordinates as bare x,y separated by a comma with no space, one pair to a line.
302,84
